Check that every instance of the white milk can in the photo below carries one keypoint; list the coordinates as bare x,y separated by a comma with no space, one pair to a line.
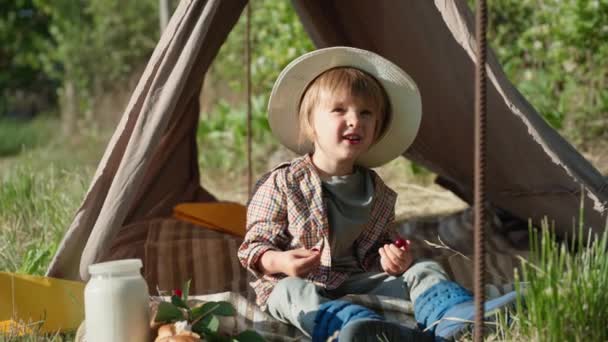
116,302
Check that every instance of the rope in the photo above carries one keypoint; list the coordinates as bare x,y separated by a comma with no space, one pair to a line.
249,129
481,20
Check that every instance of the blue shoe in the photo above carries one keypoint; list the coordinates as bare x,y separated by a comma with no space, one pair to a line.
456,319
432,304
334,315
373,330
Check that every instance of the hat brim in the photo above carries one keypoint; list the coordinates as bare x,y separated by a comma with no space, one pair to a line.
403,94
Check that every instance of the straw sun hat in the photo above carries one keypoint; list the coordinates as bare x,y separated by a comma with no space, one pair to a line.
403,94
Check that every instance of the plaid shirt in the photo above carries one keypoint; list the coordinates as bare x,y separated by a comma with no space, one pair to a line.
287,211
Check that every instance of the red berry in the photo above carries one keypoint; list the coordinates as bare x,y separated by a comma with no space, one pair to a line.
400,242
178,292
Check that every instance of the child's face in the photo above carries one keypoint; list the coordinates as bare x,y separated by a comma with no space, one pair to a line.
344,127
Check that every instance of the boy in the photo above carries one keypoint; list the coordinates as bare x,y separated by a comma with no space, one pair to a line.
318,228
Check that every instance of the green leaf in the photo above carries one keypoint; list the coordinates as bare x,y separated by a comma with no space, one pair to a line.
203,310
248,336
177,301
213,323
215,337
168,312
221,308
209,324
224,309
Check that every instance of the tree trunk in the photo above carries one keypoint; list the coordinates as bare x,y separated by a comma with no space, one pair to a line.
69,108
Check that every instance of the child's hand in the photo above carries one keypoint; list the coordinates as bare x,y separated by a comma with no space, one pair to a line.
300,262
296,262
395,260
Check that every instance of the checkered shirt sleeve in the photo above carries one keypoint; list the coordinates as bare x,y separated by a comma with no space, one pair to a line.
266,223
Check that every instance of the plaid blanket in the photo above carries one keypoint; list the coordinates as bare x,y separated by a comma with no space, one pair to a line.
174,252
250,317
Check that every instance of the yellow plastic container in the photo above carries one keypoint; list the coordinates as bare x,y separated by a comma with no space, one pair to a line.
39,304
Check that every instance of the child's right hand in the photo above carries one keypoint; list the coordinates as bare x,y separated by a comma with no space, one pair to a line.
296,262
395,257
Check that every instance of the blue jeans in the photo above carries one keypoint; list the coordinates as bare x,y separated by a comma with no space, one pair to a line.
295,300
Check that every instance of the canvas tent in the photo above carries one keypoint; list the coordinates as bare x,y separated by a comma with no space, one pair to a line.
150,164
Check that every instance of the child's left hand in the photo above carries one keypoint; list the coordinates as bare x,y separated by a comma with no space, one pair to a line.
394,260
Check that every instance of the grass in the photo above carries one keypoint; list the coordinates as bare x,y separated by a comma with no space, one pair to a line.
19,135
566,293
40,190
562,290
36,337
36,206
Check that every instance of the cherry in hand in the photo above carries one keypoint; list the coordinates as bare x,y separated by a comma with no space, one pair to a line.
401,242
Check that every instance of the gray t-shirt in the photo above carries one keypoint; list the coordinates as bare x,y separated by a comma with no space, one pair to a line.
348,200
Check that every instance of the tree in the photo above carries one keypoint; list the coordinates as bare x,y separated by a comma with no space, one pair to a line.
23,30
93,45
555,52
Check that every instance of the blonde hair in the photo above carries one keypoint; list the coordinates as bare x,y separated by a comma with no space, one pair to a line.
358,82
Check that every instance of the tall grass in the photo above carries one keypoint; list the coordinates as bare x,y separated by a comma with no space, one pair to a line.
40,190
566,292
562,289
36,206
19,135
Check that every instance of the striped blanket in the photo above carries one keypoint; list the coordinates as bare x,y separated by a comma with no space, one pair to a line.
174,252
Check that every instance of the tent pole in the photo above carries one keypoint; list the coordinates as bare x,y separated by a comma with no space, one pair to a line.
249,129
481,19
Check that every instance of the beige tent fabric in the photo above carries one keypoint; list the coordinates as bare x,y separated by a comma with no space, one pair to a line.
531,170
151,161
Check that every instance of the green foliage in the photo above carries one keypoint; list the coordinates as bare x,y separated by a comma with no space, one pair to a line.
561,289
209,325
202,318
36,206
168,312
565,297
96,43
277,37
16,135
222,136
124,34
40,190
37,258
23,30
248,336
555,52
